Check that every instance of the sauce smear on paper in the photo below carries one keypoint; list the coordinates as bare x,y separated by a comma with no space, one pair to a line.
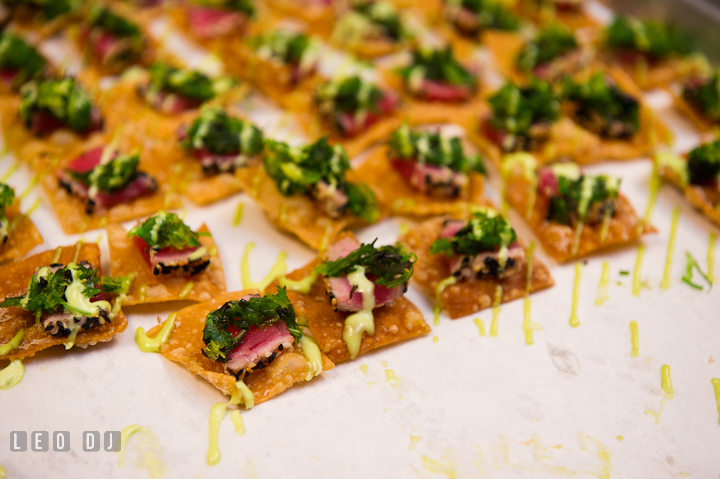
666,281
602,293
574,320
635,352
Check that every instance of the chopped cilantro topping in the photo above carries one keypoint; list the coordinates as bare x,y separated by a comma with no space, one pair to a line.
240,315
62,98
515,109
348,95
603,108
46,290
433,149
705,96
243,6
648,37
301,169
692,265
438,65
704,163
384,16
17,55
120,285
165,230
489,14
553,41
485,231
288,47
390,265
578,196
213,130
190,84
7,196
104,18
110,176
49,9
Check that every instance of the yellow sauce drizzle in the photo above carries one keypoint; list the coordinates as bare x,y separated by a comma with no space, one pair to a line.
141,292
716,386
711,258
602,293
635,352
238,214
76,253
218,413
363,320
150,460
435,339
256,184
655,183
152,345
186,290
12,375
528,326
311,351
33,207
283,213
364,369
393,379
496,311
275,272
413,442
13,344
57,255
574,319
99,239
437,309
33,182
403,228
637,282
433,466
300,286
326,238
620,438
666,281
10,171
668,392
480,325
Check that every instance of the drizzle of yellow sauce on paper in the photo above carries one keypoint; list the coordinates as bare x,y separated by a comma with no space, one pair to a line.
238,214
496,311
711,257
435,339
480,325
150,459
574,319
527,325
635,352
668,393
637,281
716,386
12,375
218,413
655,183
666,281
364,369
393,379
152,345
13,344
602,292
437,309
275,272
10,172
414,440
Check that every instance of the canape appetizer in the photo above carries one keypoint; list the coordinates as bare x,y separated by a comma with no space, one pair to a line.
435,86
303,190
422,173
245,340
697,174
113,42
18,234
354,300
208,20
103,185
652,53
468,20
318,14
573,214
699,99
20,62
58,297
356,113
371,28
42,16
170,261
570,13
463,262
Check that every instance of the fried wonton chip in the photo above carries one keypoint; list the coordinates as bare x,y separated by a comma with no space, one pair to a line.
561,241
471,295
395,196
543,12
29,20
14,279
147,288
185,346
701,197
696,117
659,74
296,214
318,15
394,322
23,235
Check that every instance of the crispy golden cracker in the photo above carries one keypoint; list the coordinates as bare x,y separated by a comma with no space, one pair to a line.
23,236
648,76
185,346
394,322
14,279
543,13
472,295
697,195
319,18
559,240
296,214
505,47
395,196
691,113
148,288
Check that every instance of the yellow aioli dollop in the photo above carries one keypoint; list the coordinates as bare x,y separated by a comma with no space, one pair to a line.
238,214
666,381
218,413
302,286
363,320
311,351
667,280
275,272
12,375
152,345
437,309
13,344
150,460
76,299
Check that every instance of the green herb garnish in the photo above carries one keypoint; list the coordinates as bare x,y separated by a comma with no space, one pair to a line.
49,9
516,109
384,16
289,48
690,266
213,130
485,231
189,84
243,6
489,14
705,96
165,230
120,285
62,98
438,65
648,37
241,314
434,149
552,42
110,176
577,195
16,55
348,95
7,196
300,169
391,265
704,163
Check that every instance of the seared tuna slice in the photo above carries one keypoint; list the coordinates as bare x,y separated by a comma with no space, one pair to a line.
487,263
259,348
169,260
352,124
63,324
209,22
439,181
332,200
430,90
566,64
43,123
343,295
171,103
537,134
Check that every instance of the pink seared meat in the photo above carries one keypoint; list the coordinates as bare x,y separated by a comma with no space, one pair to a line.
171,260
213,164
209,22
332,200
259,348
440,181
43,123
341,292
171,103
566,64
548,184
351,124
443,92
142,185
7,77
